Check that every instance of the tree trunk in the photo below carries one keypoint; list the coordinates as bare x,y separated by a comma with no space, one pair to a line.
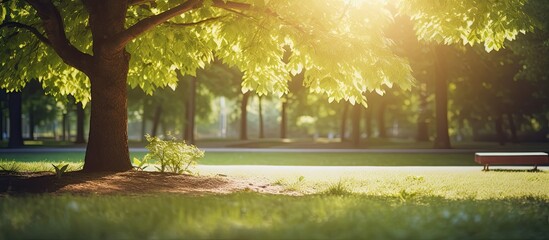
355,122
422,121
244,116
143,121
442,140
283,119
156,120
108,140
261,129
502,138
190,112
381,120
31,123
16,127
512,128
343,128
368,122
80,115
64,128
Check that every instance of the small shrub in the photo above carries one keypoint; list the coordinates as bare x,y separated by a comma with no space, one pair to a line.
172,155
60,169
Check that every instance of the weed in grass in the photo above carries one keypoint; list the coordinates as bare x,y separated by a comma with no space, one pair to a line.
139,165
60,169
340,188
295,186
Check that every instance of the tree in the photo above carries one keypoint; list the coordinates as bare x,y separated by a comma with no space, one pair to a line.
96,39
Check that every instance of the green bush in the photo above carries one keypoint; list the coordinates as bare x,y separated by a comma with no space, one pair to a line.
172,155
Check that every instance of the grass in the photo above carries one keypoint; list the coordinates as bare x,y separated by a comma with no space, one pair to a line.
293,159
383,202
255,216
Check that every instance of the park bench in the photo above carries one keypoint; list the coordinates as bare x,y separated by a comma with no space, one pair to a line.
511,158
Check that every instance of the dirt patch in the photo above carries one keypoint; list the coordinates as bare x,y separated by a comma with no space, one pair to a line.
131,182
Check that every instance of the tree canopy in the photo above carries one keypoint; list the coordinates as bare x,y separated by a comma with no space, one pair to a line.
341,44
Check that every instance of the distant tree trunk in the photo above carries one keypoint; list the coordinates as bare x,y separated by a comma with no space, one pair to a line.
80,116
261,126
64,128
283,119
422,121
68,127
244,116
355,121
368,122
1,122
343,128
16,128
190,112
156,119
442,140
31,123
512,128
502,138
143,122
381,120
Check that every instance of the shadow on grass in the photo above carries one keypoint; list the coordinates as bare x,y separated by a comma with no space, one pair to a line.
516,170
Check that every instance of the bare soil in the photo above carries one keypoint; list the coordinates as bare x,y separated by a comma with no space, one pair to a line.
130,183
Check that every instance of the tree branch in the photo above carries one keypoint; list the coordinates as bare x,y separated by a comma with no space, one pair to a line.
194,23
31,29
121,39
55,32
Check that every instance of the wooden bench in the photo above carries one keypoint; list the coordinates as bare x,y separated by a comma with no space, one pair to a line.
511,158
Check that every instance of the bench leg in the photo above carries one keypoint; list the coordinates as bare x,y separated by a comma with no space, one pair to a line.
535,168
485,168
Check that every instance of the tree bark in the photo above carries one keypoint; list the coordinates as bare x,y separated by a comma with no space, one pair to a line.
244,116
442,140
355,121
283,119
261,126
80,116
16,127
108,140
343,126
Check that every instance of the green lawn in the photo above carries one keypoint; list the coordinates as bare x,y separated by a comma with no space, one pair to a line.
255,216
296,159
382,202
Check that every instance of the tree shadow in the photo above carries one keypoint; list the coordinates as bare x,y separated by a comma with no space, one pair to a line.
17,183
515,170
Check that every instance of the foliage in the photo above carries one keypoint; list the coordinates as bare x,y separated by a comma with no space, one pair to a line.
172,155
255,216
340,44
60,169
469,22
